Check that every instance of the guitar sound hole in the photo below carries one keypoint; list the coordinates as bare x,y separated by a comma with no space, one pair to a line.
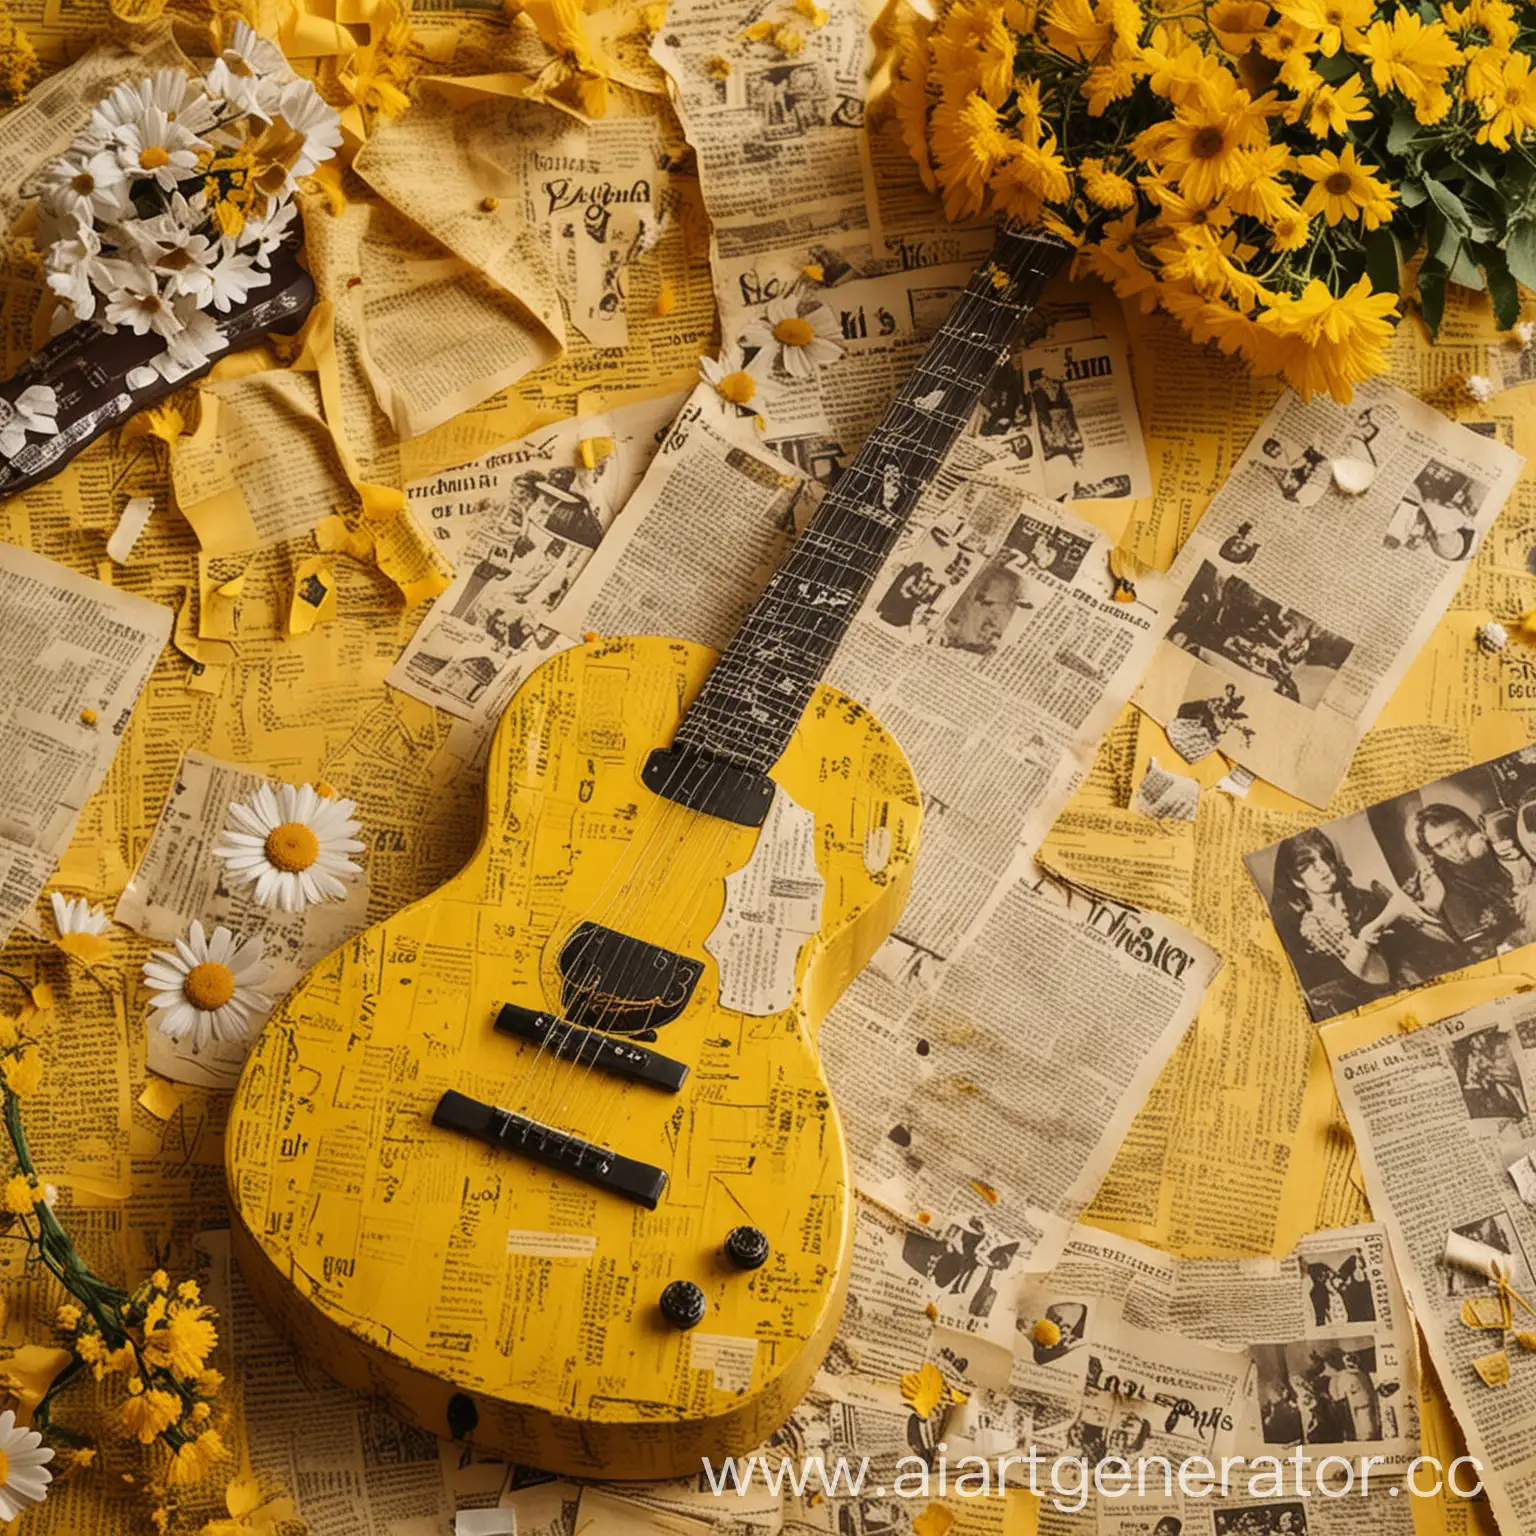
624,986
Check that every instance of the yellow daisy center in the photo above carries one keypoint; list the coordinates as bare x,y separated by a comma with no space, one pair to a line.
5,1469
209,986
738,387
794,332
1338,183
1513,97
1333,15
84,183
237,66
153,156
1208,143
292,847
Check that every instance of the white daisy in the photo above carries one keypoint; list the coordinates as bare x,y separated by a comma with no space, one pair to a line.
33,410
741,383
800,336
231,279
171,91
81,928
171,248
140,305
206,990
191,347
150,146
309,115
293,843
86,187
237,73
74,269
263,236
24,1474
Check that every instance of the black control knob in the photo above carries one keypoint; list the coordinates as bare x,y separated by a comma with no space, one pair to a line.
683,1304
747,1248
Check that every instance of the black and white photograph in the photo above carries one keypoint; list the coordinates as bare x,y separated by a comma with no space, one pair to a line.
1225,621
1319,1391
1288,1519
962,1260
789,99
1005,415
1071,1318
1489,1074
1438,512
1338,1288
1299,470
985,610
1406,890
1056,424
1200,725
1047,547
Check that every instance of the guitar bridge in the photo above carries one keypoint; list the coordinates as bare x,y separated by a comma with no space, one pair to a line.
559,1150
587,1047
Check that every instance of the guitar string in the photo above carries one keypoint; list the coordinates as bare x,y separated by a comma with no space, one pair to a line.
957,334
827,526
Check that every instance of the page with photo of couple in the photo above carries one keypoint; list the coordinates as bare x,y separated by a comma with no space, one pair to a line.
1404,891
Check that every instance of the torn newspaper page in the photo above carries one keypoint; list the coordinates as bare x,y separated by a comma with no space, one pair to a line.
1304,602
1404,891
77,655
536,514
1441,1116
179,880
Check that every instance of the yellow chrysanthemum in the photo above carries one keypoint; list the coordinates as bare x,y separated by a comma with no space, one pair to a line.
1334,21
185,1342
1031,175
1333,342
1414,58
1198,147
1238,24
1291,46
1495,19
1258,188
908,95
973,51
23,1072
1290,232
148,1414
195,1459
1116,258
1332,108
18,1196
1112,80
1342,188
1484,79
1512,112
968,145
1106,188
1179,69
1077,28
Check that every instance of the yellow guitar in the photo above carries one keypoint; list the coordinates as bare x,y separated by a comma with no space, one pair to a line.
547,1160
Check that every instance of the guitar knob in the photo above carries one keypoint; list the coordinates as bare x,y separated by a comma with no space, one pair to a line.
683,1304
747,1248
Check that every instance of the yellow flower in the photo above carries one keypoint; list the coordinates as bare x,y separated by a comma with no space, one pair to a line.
813,13
1331,343
789,40
146,1415
1342,188
23,1073
1180,70
1238,24
1106,188
1112,80
1513,110
1495,19
973,51
758,32
19,1195
89,1347
67,1318
1116,259
1077,29
1031,175
8,1032
1257,188
1290,232
1334,107
664,302
1198,147
188,1291
968,145
1334,21
1484,79
160,1281
717,67
185,1342
197,1458
813,272
1414,58
577,75
908,95
209,1383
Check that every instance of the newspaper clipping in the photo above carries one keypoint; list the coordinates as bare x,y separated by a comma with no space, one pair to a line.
78,654
1441,1116
1305,596
1407,890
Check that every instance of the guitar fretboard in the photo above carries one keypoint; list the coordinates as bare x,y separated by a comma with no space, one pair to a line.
754,698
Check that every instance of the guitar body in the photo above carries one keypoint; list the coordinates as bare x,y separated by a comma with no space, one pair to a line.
491,1297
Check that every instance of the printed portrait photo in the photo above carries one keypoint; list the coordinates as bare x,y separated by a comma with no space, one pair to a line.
1319,1391
1438,512
1338,1288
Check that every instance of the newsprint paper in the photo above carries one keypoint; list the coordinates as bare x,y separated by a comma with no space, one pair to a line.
1397,894
77,655
1303,603
1442,1119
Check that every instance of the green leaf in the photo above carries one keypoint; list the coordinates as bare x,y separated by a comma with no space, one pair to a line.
1381,261
1411,194
1339,67
1457,215
1520,251
1400,134
1465,272
1432,294
1501,286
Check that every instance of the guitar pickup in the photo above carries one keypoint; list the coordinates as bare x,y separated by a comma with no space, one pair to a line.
591,1047
559,1150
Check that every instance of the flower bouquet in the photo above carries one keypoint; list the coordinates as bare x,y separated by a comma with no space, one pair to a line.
1261,169
168,235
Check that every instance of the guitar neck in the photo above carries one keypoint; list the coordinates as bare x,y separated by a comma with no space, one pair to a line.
753,699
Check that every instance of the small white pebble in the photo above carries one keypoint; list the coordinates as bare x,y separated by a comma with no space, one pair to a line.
1525,333
1354,476
1481,388
1492,636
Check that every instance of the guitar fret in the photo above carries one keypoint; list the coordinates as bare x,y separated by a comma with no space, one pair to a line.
753,699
